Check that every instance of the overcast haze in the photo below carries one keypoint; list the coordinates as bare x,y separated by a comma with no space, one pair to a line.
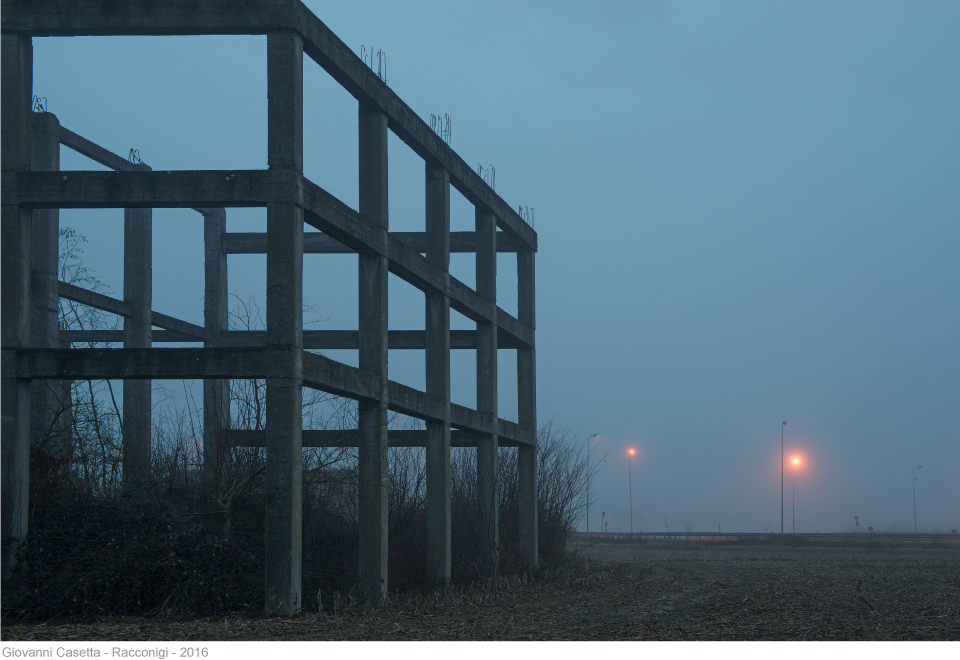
748,212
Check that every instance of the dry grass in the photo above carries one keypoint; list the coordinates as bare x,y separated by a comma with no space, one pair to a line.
675,591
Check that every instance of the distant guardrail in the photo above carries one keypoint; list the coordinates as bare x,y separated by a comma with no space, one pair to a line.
734,536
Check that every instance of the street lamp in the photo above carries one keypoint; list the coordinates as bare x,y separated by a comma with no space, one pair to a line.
915,498
781,476
589,475
630,478
796,462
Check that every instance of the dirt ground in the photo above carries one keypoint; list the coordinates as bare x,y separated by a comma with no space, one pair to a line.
682,590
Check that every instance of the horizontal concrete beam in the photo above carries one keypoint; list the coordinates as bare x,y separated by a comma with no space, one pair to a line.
62,18
168,17
318,340
320,243
349,438
318,372
116,337
225,188
145,189
105,157
146,363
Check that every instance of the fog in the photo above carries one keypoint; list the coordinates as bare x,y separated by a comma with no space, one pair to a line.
748,212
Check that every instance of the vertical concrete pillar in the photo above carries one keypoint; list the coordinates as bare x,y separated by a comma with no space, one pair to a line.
437,356
527,412
138,292
487,445
216,393
284,423
373,357
16,90
50,400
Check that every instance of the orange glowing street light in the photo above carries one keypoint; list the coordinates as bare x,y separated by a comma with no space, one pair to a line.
630,478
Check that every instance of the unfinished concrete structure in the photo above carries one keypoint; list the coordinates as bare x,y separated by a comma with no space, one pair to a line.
33,190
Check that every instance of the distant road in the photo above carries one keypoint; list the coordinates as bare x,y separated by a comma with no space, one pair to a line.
736,536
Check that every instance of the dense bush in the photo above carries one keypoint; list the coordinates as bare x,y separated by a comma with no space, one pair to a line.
168,552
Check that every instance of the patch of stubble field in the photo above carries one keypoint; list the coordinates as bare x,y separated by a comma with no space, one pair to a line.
640,591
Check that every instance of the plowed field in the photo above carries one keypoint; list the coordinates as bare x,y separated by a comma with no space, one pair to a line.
679,591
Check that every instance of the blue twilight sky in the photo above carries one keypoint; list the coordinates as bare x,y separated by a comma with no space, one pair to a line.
747,212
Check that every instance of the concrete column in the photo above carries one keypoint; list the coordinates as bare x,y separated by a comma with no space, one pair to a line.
284,423
50,400
373,358
527,412
216,393
138,291
438,379
487,445
16,93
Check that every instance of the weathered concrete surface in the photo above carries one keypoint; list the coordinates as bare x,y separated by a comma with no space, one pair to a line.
527,412
315,242
16,62
50,401
437,357
488,471
373,271
284,404
138,295
216,393
421,259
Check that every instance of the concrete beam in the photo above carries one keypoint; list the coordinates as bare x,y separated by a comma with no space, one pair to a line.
254,188
327,50
317,371
94,299
144,189
183,328
94,151
319,243
349,438
57,18
145,363
312,339
161,17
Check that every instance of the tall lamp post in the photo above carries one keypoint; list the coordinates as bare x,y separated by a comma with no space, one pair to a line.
589,475
781,476
630,478
796,462
915,498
